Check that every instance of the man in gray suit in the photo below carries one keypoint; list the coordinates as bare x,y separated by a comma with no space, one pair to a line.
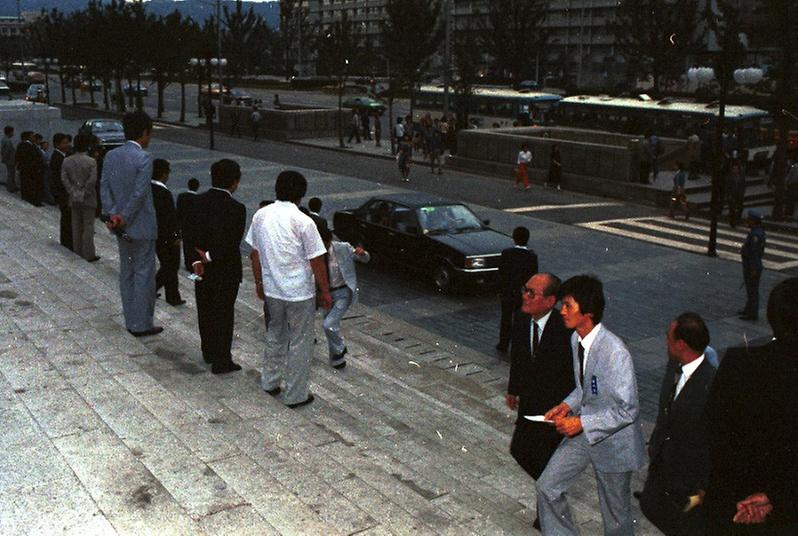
600,419
127,203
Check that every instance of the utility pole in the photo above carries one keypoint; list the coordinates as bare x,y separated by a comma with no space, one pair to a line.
219,47
447,53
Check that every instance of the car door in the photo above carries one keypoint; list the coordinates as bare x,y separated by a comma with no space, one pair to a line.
405,237
374,227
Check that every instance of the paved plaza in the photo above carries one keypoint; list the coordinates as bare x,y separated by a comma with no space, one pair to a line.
106,434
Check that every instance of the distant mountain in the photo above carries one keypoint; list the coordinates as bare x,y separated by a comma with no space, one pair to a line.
196,9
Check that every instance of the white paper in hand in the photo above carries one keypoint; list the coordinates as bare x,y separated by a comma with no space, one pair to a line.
537,418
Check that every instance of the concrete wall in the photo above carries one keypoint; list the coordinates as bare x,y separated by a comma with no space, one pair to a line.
23,115
284,124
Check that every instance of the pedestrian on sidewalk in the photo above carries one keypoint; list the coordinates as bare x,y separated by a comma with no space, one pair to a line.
404,157
8,156
183,206
255,119
44,150
398,131
79,175
364,120
342,275
541,372
127,203
678,471
600,419
217,223
435,146
678,195
287,255
61,149
694,155
516,265
555,167
29,169
377,129
354,127
654,146
167,246
752,252
522,166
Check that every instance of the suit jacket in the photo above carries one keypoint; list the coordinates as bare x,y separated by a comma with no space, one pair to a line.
345,256
321,223
29,159
516,266
56,184
541,381
165,214
609,405
125,189
216,222
79,176
752,412
679,445
7,151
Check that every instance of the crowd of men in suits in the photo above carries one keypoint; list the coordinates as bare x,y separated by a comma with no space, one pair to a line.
721,455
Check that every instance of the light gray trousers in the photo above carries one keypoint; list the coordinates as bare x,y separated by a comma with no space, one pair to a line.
289,348
137,282
341,298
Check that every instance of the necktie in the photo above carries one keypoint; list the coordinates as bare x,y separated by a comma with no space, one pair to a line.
581,364
676,377
535,337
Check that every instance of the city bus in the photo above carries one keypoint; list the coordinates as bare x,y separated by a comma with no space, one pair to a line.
493,106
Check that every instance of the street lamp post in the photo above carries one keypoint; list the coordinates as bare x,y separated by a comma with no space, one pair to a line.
703,75
199,63
209,109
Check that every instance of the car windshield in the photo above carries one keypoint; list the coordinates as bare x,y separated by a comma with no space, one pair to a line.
447,219
106,125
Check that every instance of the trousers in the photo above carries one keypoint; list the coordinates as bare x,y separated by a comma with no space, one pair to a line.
169,263
82,220
289,348
342,299
137,282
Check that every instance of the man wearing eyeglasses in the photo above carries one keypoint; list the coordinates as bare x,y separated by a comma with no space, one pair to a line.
541,372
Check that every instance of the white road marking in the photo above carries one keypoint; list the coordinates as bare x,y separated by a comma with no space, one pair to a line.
538,208
642,224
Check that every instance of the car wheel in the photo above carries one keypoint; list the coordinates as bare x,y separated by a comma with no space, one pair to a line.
442,278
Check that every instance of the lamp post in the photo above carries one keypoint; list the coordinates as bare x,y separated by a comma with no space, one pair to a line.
209,109
703,75
199,64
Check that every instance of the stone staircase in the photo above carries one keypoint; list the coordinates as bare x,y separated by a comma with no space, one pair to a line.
104,433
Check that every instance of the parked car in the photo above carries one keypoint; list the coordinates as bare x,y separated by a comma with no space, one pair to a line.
359,103
133,89
238,97
95,84
109,132
214,90
5,91
36,93
440,238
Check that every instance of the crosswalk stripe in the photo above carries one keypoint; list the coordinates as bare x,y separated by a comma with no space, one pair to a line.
538,208
643,224
722,228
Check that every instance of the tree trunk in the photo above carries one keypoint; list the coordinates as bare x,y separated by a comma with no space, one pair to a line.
139,96
106,83
120,97
161,86
63,86
91,91
74,96
182,98
340,112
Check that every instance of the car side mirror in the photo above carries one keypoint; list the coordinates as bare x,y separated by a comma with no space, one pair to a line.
486,222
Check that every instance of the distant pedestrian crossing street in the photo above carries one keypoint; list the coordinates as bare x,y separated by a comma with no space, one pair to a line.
781,252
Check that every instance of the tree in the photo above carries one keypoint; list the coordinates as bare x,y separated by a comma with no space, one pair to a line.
468,61
513,33
294,29
244,40
657,36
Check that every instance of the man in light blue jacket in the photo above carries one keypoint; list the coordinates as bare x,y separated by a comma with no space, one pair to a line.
600,419
341,273
127,203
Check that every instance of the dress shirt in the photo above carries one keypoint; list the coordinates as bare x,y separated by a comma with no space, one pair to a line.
687,371
336,277
587,342
222,190
524,157
159,183
541,326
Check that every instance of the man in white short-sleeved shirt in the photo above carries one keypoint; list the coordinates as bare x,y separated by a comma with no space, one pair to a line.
288,263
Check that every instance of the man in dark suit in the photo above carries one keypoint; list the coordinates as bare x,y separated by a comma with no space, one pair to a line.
167,246
217,221
314,209
753,437
184,202
541,372
679,447
61,147
29,165
516,266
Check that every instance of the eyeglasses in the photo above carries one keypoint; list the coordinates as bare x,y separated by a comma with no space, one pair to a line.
530,292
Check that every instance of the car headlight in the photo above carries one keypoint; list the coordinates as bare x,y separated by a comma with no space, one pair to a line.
475,262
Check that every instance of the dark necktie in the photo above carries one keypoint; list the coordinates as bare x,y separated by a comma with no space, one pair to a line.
581,364
676,377
535,337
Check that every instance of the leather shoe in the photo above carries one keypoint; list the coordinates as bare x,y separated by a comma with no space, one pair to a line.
752,318
273,392
225,368
536,524
175,303
94,259
339,366
300,404
155,330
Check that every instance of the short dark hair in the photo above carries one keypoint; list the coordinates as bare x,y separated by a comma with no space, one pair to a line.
193,184
691,329
290,186
135,124
521,235
553,285
782,312
37,136
25,135
83,142
160,167
588,292
58,137
314,204
8,130
225,173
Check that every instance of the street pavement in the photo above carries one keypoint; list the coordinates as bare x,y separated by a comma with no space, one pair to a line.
390,447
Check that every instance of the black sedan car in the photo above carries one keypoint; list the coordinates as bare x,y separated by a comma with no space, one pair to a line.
440,238
109,132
